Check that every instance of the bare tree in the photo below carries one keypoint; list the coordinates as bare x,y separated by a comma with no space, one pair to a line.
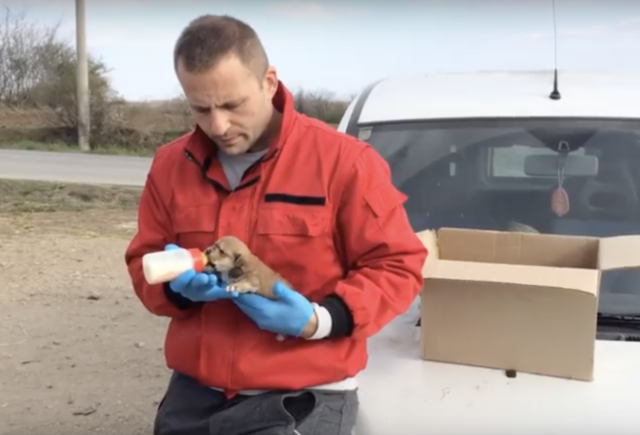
23,53
38,69
321,104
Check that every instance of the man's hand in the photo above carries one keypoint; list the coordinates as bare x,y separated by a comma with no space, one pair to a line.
198,287
290,314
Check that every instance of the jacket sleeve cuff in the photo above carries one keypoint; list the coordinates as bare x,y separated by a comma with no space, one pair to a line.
325,323
341,318
177,299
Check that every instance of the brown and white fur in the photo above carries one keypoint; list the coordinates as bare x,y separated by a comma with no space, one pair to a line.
240,268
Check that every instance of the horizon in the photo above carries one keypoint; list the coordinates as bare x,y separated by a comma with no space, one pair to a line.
342,47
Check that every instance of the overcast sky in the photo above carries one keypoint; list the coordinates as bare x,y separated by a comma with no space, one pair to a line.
344,45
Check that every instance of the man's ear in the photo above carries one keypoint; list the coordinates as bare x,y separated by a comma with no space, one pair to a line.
270,82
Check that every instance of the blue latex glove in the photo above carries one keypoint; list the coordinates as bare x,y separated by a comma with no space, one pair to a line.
288,315
199,287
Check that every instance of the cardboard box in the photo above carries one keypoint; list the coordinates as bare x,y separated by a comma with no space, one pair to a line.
520,301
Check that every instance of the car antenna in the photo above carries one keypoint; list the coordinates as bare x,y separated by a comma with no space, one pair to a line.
555,94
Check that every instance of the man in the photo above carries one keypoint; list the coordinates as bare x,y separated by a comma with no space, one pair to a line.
314,204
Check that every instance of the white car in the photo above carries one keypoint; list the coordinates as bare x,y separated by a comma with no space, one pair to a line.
456,145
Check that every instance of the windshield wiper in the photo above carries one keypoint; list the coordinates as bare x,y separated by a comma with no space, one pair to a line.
631,321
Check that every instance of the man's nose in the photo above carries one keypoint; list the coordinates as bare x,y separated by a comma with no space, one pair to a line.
218,123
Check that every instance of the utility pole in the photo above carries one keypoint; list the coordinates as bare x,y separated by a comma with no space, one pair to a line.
82,78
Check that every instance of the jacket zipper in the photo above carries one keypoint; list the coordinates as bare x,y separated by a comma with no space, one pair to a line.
217,185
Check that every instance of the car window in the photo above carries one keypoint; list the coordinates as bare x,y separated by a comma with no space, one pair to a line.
471,174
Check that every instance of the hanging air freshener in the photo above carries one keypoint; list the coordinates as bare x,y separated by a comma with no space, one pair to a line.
560,200
560,204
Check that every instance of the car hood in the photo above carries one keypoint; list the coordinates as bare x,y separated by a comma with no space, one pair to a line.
399,392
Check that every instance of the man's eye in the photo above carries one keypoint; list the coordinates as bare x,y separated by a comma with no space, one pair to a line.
200,109
232,105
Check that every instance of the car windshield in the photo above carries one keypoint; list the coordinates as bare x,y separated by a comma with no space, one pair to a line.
501,174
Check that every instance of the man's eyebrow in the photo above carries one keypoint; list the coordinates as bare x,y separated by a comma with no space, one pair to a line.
199,107
235,102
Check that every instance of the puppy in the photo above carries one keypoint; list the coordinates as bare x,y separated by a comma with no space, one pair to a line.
240,268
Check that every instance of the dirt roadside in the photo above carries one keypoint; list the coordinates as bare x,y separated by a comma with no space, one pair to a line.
78,353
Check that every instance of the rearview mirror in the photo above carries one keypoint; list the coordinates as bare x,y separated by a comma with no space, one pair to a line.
574,166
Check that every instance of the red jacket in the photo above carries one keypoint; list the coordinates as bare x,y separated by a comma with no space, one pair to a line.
321,210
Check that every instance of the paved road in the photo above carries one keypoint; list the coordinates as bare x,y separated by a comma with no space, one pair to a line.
73,167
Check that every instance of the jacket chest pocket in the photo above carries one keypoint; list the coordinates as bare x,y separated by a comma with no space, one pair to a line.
195,227
294,243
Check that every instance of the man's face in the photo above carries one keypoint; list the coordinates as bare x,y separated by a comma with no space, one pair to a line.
230,103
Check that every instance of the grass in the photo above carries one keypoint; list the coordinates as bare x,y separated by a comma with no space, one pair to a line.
20,196
62,147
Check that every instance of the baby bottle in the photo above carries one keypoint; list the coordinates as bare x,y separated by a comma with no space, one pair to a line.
163,266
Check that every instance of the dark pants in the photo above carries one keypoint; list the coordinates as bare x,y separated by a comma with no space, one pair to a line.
189,408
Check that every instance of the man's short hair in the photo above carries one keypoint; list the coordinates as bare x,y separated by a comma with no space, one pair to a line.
210,38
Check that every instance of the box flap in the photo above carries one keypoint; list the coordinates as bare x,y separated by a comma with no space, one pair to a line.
430,241
621,252
582,280
518,248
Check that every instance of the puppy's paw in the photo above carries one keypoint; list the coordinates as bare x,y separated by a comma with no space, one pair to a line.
241,287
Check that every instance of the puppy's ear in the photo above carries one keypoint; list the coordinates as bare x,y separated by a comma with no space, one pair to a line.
235,273
238,260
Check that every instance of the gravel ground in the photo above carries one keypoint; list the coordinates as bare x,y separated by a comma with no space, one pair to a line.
79,354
